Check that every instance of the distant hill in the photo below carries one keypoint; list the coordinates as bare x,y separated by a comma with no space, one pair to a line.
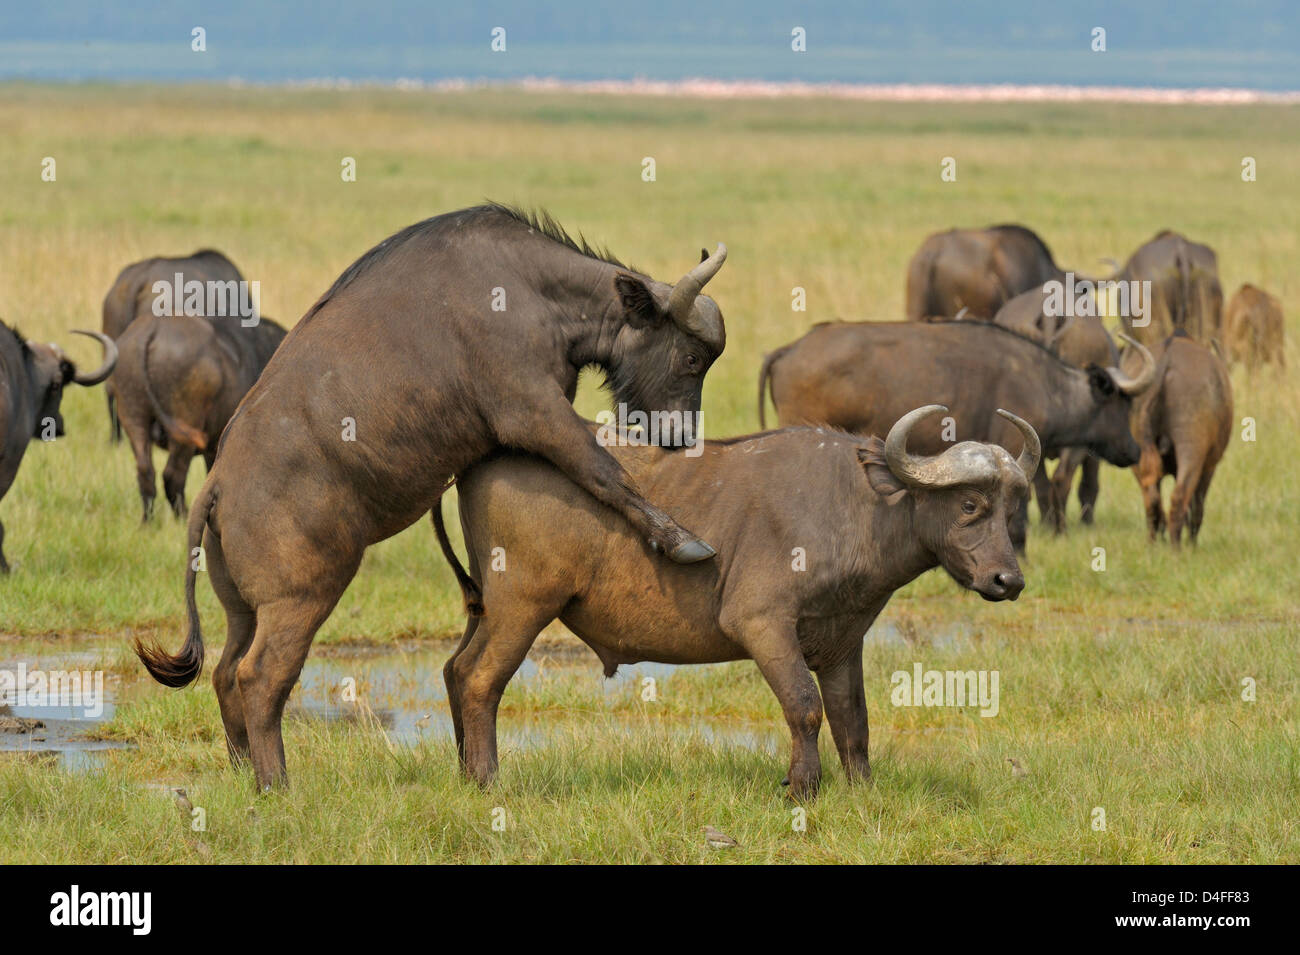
1252,45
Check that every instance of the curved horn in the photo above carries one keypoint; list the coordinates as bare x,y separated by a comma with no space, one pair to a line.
1144,379
104,370
1032,452
688,287
960,315
911,470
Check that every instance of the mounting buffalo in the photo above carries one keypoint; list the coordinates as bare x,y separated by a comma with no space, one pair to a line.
1183,423
869,515
1080,340
861,377
1185,293
976,270
454,337
132,292
32,378
1253,329
178,381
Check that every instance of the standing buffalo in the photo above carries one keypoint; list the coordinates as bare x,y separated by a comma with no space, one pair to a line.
870,516
976,270
454,337
1252,329
32,378
178,381
861,377
1185,290
1081,340
132,292
1184,424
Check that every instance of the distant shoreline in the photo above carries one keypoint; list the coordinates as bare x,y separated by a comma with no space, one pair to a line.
701,88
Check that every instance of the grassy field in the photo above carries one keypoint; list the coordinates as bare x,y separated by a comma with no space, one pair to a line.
1120,689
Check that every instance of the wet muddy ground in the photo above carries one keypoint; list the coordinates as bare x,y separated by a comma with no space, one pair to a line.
398,690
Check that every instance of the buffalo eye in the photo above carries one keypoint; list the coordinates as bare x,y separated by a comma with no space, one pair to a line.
969,507
692,361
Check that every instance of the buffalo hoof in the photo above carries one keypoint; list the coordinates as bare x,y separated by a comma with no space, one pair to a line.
692,551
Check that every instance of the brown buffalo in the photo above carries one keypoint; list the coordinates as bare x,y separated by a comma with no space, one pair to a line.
1185,291
1079,340
1253,329
132,291
457,336
1184,423
976,270
32,378
178,381
861,377
869,515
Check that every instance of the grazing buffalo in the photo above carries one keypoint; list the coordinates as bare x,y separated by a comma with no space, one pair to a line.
448,340
32,379
178,381
1185,290
978,270
867,515
1081,340
132,292
861,377
1252,329
1183,423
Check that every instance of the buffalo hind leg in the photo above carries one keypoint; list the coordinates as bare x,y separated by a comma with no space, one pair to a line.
776,651
453,688
1149,472
1186,485
145,477
480,674
846,712
1196,512
4,564
268,671
174,475
241,624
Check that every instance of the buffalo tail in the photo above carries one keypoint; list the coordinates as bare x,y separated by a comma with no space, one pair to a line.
470,591
178,431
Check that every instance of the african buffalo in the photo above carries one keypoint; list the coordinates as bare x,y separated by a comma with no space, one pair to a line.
1253,329
454,337
867,516
178,381
1183,423
978,270
32,378
1080,340
132,291
861,377
1185,291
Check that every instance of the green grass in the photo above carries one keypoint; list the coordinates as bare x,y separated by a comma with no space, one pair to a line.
1120,689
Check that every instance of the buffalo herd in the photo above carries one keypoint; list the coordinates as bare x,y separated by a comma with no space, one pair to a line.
450,354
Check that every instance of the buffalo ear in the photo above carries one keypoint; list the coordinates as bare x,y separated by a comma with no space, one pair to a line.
1102,384
639,305
879,476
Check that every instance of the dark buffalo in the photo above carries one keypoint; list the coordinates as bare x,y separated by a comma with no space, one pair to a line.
1185,290
978,270
861,377
132,293
867,515
402,375
1253,329
1184,424
1079,340
32,378
178,381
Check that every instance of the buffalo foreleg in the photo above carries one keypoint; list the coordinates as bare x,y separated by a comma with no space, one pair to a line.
775,648
556,433
846,712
